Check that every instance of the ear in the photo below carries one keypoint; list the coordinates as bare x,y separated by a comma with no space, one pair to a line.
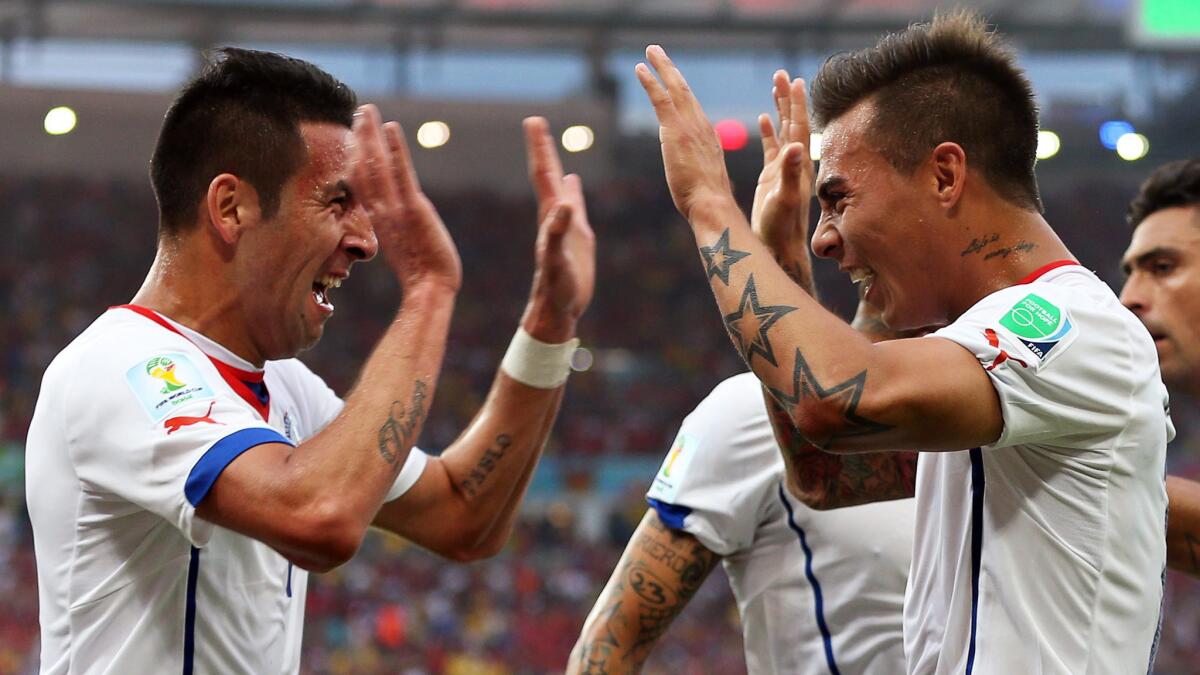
949,165
231,207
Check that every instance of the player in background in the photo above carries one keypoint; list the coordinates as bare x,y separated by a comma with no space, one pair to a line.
183,470
1038,406
1162,287
817,592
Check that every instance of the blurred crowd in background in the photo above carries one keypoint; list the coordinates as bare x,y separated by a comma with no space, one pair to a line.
74,248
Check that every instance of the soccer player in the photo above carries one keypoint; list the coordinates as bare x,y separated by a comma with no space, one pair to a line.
1039,408
1162,287
183,470
817,591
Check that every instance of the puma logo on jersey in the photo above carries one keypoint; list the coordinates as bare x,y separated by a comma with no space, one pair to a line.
176,423
994,340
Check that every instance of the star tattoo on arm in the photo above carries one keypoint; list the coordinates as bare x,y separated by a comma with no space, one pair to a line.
749,324
845,395
719,257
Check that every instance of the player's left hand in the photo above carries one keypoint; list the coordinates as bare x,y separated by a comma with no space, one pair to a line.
564,278
692,155
783,197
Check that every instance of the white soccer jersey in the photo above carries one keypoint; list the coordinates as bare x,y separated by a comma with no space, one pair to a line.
818,591
136,419
1044,552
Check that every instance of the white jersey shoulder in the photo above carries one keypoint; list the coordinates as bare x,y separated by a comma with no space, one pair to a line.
818,592
1072,488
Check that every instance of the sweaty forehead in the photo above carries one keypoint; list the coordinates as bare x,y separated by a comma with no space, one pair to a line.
327,147
845,152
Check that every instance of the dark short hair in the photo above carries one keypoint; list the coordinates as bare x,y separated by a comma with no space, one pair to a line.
241,115
1173,184
947,80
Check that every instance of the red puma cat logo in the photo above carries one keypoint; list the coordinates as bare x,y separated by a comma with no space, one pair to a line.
994,340
176,423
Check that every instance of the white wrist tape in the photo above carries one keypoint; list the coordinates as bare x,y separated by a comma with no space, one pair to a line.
536,363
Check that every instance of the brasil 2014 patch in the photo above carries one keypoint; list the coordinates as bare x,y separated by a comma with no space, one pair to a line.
666,483
164,382
1038,323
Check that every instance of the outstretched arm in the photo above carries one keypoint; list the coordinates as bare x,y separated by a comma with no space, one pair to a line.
844,393
657,575
465,502
1183,525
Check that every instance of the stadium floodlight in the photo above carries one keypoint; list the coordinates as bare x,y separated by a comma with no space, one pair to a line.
732,134
1112,130
814,147
433,134
1132,147
578,138
60,120
1048,144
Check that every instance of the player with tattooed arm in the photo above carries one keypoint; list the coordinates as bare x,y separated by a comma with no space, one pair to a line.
1038,407
817,592
184,470
1162,287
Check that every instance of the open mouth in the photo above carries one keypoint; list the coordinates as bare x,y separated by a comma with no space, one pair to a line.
321,288
864,277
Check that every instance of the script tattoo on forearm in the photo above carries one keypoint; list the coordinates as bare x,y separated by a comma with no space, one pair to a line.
748,326
719,257
827,480
486,465
396,434
658,599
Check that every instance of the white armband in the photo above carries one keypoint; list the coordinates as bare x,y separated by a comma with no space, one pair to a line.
536,363
409,473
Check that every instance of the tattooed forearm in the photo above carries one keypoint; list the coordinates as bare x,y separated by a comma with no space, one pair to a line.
748,326
843,397
824,480
396,435
488,463
719,257
661,570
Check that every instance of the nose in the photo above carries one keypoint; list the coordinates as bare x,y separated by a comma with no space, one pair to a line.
360,241
1135,295
826,241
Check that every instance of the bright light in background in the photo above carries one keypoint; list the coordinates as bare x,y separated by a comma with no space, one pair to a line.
578,138
59,121
1112,130
1048,144
1132,147
814,147
433,134
582,359
732,134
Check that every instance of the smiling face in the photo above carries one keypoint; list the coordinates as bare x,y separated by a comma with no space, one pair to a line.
289,263
879,225
1162,288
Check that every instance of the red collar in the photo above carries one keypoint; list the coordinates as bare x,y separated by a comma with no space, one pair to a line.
1039,272
236,378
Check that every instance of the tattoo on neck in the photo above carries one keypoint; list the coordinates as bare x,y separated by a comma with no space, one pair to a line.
979,243
396,433
719,257
486,465
748,326
1022,245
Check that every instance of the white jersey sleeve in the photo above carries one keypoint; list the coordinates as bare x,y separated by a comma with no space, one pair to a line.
716,483
153,423
1059,363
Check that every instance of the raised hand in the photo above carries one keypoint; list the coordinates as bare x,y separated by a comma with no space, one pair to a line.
564,277
783,197
414,241
692,155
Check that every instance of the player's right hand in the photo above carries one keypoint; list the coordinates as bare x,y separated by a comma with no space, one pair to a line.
783,197
411,234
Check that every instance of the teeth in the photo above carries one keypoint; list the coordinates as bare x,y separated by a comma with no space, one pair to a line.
859,274
329,281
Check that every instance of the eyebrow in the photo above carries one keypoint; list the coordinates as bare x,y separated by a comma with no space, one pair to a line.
828,185
339,186
1142,258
